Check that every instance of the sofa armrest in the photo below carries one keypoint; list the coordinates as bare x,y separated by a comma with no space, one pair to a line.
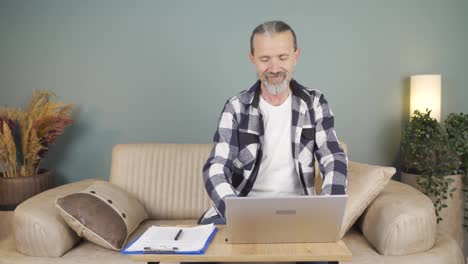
39,229
400,221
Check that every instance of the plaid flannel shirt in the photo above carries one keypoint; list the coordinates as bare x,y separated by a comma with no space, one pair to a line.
233,164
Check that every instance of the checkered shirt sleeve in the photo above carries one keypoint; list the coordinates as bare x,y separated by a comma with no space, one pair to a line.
332,159
219,166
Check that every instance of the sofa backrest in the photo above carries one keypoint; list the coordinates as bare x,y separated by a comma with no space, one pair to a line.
166,178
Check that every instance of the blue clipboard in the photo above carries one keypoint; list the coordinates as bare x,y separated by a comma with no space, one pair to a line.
197,252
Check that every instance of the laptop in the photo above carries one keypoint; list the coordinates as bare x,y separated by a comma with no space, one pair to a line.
290,219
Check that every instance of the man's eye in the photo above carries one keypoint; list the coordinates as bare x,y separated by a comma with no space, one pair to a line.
283,58
264,59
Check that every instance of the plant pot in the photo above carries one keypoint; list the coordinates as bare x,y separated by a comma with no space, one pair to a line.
452,216
14,191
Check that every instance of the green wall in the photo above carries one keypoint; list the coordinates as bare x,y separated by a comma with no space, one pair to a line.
160,71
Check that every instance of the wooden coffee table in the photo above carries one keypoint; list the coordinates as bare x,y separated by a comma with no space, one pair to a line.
221,251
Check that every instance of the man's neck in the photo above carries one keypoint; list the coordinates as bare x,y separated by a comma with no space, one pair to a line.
274,100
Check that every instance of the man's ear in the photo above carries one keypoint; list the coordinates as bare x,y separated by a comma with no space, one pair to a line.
296,55
252,59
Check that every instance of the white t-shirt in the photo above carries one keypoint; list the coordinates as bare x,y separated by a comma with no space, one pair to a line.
277,175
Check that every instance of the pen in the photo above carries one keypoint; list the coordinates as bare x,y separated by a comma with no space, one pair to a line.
178,234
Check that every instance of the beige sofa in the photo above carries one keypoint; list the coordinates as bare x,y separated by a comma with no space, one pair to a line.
166,179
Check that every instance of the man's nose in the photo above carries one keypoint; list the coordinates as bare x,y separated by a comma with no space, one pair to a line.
274,67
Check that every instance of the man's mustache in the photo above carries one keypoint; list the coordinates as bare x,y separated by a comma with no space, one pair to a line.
275,74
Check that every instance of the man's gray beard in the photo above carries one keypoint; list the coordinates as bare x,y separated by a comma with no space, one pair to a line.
276,89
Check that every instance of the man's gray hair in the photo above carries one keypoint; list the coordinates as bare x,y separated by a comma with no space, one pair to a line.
270,28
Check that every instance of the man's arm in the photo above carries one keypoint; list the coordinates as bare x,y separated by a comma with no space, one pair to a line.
332,159
218,168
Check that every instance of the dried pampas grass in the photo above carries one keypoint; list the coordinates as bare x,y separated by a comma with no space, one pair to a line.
25,136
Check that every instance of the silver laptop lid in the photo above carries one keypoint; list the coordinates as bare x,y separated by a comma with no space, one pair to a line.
284,219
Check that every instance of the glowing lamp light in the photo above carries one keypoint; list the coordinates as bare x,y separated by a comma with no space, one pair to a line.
425,94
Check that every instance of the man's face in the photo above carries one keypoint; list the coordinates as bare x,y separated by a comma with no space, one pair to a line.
274,59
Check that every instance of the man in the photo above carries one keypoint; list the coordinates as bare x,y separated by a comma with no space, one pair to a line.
269,135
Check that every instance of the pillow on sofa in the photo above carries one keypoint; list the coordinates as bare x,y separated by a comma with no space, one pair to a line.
365,182
400,221
103,214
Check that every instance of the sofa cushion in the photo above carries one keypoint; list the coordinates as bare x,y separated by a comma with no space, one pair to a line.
39,230
400,221
444,251
365,182
166,178
103,214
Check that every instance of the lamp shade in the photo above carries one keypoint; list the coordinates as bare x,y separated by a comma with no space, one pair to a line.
425,94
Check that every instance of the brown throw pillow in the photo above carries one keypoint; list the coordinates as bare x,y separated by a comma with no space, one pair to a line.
103,214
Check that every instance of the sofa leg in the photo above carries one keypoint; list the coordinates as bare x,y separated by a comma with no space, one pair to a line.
152,262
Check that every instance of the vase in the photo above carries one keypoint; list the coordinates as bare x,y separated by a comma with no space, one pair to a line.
16,190
452,216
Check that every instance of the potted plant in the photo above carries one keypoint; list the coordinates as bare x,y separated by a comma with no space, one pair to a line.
457,130
25,138
431,165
